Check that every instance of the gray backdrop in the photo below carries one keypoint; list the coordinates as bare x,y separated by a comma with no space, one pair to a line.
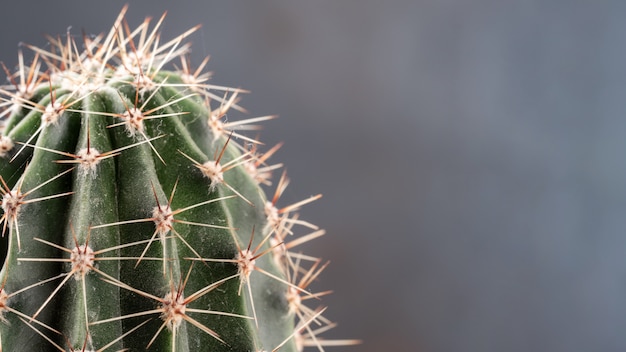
471,154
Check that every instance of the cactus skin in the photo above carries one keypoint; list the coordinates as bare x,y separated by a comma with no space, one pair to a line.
119,237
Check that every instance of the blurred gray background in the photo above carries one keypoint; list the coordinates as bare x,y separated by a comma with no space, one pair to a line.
472,154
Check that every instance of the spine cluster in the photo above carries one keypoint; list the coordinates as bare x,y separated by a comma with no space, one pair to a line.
134,210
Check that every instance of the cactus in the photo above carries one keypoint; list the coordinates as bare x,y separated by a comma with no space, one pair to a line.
134,214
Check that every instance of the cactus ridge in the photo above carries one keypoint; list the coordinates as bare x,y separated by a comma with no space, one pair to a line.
133,213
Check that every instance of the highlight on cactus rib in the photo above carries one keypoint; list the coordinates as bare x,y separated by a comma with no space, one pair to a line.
134,213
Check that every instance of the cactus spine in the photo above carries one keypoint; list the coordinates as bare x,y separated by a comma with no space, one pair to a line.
133,212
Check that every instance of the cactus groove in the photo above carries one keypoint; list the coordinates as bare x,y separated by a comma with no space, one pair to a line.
134,216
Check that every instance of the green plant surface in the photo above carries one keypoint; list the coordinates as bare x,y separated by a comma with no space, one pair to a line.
135,216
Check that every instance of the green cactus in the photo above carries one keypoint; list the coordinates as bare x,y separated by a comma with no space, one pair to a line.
134,214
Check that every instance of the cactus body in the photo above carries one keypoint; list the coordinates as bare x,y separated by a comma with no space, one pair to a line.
134,215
